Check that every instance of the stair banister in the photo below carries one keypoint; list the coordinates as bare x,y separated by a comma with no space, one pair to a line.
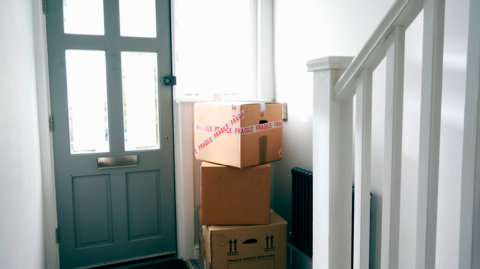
403,13
429,151
470,194
363,138
395,57
335,84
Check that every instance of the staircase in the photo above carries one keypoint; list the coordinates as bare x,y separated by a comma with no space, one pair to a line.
338,81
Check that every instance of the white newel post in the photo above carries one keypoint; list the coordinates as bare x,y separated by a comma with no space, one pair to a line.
332,166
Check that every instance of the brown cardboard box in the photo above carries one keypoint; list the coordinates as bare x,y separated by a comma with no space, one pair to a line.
232,196
245,140
246,247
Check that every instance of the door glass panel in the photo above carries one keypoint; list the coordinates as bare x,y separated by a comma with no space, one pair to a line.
84,17
137,18
140,100
87,101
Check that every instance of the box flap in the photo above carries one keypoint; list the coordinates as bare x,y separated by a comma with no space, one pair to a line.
275,219
209,164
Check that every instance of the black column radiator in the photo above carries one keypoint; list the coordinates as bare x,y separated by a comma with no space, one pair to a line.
302,211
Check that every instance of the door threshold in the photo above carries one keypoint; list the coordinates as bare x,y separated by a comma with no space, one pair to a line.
134,262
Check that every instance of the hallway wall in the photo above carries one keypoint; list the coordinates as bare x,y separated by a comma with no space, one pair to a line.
21,228
305,30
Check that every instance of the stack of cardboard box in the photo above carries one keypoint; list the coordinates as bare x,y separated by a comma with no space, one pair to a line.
236,142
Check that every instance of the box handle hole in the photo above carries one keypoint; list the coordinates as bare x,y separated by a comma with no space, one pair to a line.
262,122
250,241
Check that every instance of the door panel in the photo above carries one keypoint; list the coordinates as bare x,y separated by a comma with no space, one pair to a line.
144,212
110,215
93,214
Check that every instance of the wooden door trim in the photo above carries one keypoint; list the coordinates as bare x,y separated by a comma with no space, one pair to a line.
46,142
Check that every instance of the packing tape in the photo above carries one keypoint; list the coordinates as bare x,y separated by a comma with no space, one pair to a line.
219,132
262,109
280,153
228,129
241,131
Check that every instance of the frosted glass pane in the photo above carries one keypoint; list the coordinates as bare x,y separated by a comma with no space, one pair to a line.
87,101
140,100
211,35
137,18
84,17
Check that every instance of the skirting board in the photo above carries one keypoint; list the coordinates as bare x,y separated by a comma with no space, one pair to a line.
298,259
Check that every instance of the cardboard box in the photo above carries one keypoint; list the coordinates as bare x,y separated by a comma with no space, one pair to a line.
246,247
238,134
232,196
202,256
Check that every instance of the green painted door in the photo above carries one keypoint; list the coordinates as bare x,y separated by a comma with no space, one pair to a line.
112,135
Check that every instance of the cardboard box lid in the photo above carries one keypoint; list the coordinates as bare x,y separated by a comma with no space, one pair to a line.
208,164
275,220
219,113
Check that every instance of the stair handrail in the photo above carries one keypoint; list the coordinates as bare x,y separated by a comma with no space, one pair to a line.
403,12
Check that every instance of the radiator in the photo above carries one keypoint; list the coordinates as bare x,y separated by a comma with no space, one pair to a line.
302,212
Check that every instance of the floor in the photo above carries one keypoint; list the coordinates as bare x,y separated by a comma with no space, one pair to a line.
149,263
175,264
195,264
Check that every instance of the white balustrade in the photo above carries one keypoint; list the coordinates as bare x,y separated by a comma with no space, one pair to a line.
393,148
430,114
470,197
363,140
336,160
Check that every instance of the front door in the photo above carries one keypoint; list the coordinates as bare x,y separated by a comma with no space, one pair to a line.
112,134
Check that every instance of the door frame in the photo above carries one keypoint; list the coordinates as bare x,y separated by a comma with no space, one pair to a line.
184,189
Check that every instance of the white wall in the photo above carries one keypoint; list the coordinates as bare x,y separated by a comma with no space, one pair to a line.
309,29
21,229
306,30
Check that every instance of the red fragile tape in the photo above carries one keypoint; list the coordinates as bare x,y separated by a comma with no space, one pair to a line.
243,130
228,129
